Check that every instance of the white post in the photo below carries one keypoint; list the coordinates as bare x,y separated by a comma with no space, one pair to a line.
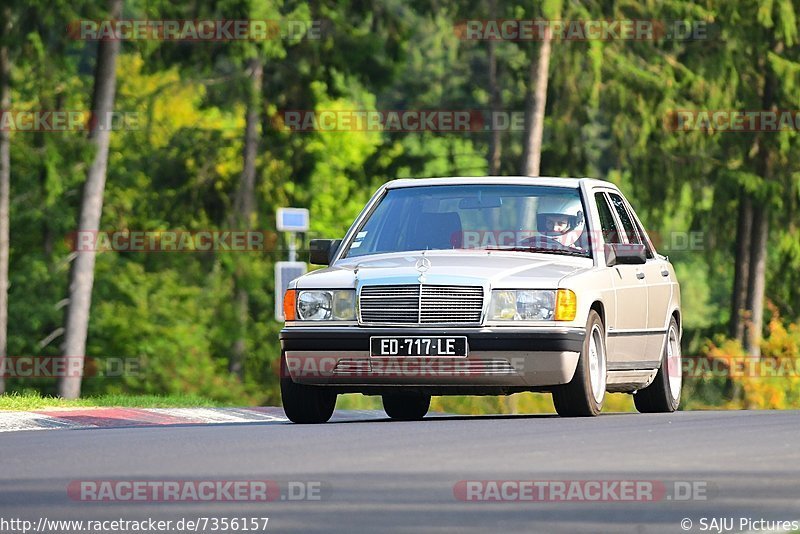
292,247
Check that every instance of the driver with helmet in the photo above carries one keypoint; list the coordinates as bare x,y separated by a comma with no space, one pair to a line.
561,218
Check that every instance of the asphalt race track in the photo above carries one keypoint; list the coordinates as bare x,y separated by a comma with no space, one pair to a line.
370,475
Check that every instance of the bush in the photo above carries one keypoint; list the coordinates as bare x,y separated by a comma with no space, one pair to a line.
724,376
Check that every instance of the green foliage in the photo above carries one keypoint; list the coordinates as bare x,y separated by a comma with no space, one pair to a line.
339,158
722,374
163,323
33,400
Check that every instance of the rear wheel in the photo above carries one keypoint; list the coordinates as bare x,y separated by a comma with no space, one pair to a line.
303,403
585,393
664,394
405,407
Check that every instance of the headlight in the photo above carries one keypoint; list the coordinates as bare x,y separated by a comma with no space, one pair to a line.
523,305
344,305
533,305
338,305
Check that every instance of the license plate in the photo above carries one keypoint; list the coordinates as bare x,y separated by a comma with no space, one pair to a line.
440,346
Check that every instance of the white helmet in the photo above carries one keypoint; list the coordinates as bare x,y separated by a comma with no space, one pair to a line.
561,218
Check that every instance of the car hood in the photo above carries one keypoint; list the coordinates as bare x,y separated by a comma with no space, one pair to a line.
485,268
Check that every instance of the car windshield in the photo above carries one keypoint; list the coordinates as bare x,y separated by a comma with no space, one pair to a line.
475,217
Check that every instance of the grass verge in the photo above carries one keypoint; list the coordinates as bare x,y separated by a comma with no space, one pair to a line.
35,401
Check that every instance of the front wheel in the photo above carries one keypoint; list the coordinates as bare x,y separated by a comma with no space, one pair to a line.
585,393
664,394
406,407
305,404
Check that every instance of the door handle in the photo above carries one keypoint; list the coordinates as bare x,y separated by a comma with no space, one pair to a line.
640,275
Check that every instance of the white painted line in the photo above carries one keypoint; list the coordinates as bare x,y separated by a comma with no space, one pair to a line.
256,415
219,415
59,419
203,415
358,415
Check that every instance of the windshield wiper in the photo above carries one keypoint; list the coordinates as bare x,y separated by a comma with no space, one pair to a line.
544,250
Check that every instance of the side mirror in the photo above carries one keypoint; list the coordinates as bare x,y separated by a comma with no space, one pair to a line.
625,254
321,251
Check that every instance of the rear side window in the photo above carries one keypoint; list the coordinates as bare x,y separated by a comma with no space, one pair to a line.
607,224
632,230
625,219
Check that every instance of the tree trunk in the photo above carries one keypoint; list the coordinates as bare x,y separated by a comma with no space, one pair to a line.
757,280
82,271
756,283
244,206
40,144
495,145
5,187
535,122
744,230
538,76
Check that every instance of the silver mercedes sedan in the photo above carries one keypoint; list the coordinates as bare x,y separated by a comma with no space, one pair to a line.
485,286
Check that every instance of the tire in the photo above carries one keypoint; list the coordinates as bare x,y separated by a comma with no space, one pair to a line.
406,407
584,395
664,394
305,404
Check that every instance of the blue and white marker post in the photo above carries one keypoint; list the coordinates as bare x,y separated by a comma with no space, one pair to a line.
291,221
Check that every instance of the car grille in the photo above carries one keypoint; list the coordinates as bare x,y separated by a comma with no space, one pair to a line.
421,304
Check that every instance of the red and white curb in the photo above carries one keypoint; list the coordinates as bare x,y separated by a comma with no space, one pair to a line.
133,417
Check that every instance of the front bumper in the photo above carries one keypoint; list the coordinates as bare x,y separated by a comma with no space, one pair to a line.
506,357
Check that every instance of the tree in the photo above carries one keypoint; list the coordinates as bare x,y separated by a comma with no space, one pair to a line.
751,65
539,75
82,271
495,146
744,230
5,185
244,211
772,68
535,113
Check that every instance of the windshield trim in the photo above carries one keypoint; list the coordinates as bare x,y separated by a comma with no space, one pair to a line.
383,191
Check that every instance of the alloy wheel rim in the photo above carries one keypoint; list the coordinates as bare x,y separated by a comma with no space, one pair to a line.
597,364
674,364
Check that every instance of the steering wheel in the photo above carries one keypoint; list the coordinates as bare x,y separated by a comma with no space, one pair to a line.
544,241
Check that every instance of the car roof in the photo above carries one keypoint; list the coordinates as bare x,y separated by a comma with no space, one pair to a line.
499,180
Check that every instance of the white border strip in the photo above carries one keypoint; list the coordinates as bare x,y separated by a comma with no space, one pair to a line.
18,421
13,421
